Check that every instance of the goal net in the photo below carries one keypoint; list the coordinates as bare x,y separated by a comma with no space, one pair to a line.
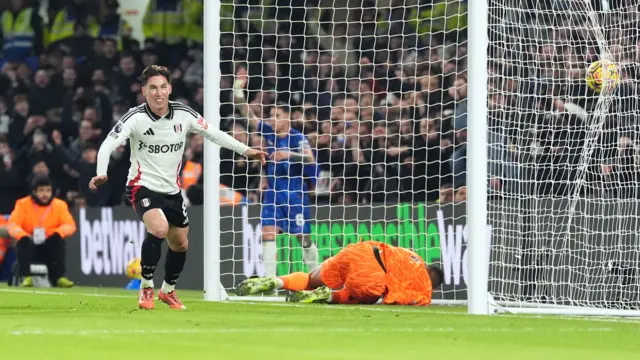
379,93
378,89
565,234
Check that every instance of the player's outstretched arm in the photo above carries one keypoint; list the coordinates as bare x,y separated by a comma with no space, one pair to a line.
225,140
303,154
118,135
305,157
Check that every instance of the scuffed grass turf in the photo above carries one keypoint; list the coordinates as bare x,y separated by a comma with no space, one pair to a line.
100,323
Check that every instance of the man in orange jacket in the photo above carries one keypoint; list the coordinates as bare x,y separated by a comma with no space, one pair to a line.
40,222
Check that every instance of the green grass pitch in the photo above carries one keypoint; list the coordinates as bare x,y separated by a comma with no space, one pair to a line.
96,323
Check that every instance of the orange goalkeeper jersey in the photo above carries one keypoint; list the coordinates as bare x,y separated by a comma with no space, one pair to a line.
407,279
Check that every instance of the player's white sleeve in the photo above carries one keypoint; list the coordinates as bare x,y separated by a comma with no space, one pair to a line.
221,138
118,135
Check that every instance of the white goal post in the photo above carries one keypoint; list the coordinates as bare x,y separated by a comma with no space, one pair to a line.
213,290
478,247
462,129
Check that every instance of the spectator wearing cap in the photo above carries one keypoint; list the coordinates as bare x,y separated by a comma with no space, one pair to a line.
21,32
40,223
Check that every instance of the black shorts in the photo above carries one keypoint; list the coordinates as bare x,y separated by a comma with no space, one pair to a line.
173,206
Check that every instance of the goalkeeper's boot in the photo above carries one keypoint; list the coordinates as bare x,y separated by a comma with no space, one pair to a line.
63,282
320,295
171,299
256,286
145,299
27,282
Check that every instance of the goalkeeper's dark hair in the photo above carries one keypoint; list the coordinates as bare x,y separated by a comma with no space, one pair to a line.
155,70
436,275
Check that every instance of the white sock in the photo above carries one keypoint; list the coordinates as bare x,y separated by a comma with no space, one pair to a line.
144,283
280,283
269,251
166,288
310,256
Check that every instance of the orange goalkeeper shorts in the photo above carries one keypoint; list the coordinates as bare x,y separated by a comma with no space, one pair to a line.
356,269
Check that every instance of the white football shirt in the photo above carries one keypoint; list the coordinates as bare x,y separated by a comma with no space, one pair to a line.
158,143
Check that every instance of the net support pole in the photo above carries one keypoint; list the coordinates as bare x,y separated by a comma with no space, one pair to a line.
478,245
211,216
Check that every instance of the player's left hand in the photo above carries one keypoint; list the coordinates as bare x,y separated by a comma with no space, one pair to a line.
280,155
256,155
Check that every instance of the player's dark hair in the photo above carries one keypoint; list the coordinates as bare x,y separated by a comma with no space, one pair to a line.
283,105
155,70
436,275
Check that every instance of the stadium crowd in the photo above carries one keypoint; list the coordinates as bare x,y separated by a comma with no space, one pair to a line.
379,92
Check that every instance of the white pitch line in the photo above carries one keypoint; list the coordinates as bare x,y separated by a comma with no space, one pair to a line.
391,309
60,293
314,329
33,291
398,309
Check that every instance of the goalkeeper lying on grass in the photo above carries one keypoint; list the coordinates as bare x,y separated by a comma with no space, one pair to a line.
367,272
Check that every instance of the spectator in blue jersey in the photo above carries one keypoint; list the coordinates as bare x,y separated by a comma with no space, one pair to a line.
285,203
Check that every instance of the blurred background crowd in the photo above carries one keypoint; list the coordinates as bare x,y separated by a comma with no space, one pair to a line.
379,89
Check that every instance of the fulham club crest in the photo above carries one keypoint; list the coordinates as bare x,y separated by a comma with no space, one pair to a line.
177,128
